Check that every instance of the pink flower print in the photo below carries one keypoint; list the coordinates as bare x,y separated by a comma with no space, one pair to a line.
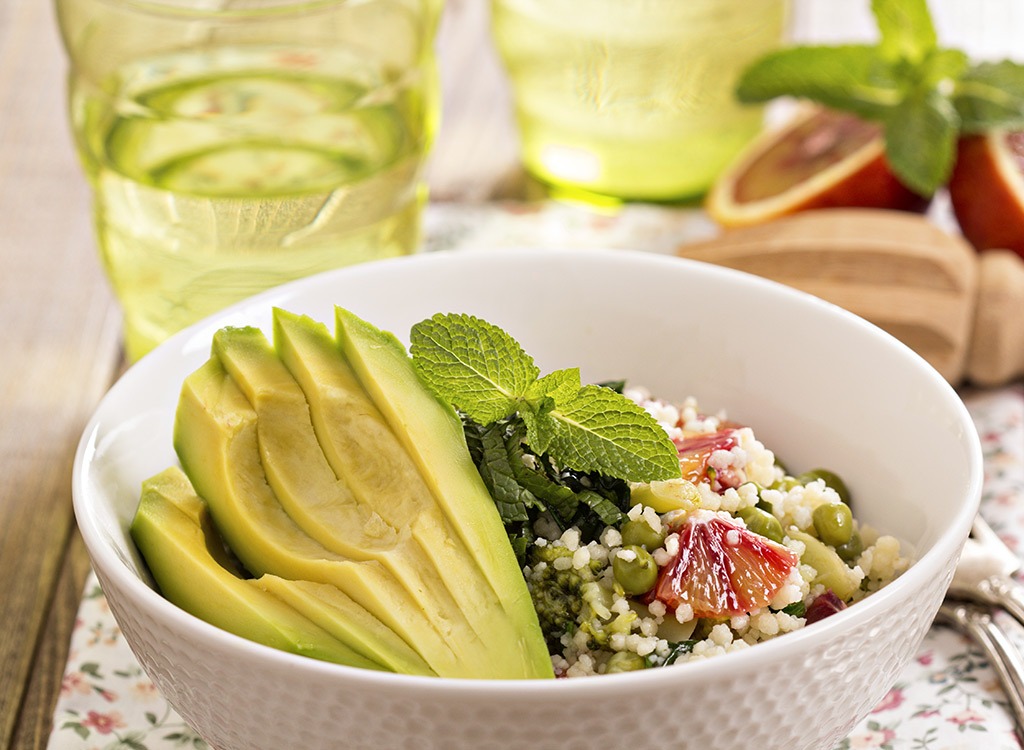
144,690
103,723
871,738
107,695
966,717
926,714
113,635
926,658
75,682
893,699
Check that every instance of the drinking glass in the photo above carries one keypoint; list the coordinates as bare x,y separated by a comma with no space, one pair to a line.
233,145
632,98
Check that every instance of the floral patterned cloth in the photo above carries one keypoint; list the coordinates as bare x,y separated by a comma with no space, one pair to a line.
947,698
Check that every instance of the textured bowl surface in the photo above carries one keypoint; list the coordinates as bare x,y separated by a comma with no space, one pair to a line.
818,385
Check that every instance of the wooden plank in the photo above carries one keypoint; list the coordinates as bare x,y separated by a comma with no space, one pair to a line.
32,731
59,334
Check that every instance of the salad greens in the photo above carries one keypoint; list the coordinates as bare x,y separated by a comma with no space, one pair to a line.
543,445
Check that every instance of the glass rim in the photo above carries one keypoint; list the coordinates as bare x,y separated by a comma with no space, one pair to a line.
227,8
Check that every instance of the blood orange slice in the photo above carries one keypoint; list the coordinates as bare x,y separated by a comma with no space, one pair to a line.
822,158
722,568
987,190
695,452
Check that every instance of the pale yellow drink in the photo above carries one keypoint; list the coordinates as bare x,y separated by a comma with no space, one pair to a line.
632,98
222,170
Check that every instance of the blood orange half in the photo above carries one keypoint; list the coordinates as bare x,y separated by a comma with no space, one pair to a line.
987,190
722,568
822,158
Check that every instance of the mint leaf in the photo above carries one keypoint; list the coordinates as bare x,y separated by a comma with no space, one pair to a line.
991,95
924,95
483,372
920,141
942,69
599,430
553,388
906,29
848,77
475,366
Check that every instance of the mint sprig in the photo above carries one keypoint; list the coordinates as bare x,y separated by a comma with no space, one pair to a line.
484,372
924,95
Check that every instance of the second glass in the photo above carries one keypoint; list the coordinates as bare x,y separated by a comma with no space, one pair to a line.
235,145
632,99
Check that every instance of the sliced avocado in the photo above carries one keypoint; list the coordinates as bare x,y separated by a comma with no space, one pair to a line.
216,440
384,524
337,614
175,534
431,433
363,451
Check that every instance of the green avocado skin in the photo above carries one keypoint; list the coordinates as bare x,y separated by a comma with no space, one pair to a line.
174,532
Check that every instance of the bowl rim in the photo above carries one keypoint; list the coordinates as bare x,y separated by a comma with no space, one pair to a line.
922,570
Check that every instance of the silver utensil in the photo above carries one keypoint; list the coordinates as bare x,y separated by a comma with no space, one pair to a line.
975,621
985,572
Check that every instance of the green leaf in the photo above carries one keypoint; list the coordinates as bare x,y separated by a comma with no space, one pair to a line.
601,431
942,69
554,388
475,366
510,497
796,609
920,141
906,29
990,96
605,509
538,433
849,77
615,385
558,499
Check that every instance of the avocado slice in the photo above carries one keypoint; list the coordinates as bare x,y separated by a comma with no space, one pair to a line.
362,449
432,435
326,508
216,441
175,534
338,615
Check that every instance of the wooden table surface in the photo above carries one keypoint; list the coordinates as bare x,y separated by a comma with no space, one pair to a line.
61,327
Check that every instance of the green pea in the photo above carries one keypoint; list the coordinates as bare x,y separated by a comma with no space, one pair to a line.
625,661
834,523
850,551
762,522
786,484
639,533
638,574
830,478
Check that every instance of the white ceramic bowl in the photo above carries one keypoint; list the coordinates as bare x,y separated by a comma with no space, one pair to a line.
818,385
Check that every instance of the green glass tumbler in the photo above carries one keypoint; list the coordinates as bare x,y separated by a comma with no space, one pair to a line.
632,99
233,145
